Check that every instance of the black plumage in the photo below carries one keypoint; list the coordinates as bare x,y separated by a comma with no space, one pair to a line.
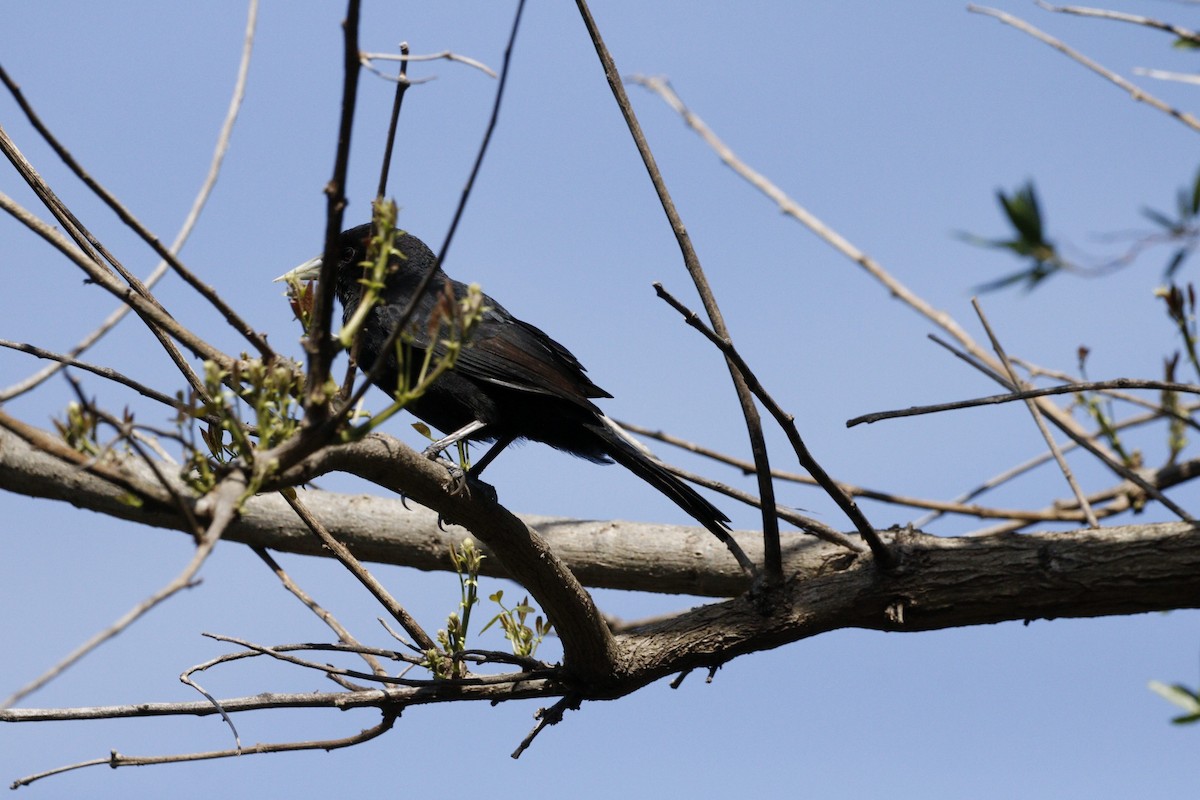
511,379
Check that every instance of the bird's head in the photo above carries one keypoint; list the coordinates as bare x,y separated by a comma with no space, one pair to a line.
353,245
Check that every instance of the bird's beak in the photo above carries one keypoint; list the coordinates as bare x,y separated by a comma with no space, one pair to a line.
308,271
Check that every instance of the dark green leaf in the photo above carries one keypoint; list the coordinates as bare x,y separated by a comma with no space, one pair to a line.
1176,261
1023,212
1159,218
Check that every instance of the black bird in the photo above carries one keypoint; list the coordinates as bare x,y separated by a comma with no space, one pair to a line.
511,381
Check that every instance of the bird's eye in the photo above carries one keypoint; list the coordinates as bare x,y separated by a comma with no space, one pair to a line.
347,255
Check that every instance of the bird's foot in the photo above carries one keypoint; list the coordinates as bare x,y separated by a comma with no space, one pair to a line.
456,480
461,481
434,450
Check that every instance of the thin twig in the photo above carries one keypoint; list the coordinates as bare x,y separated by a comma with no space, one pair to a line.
1067,425
1184,416
324,615
791,208
204,290
377,590
419,291
320,345
223,502
521,687
107,373
88,253
156,318
532,669
547,717
895,288
788,424
402,85
115,759
1104,13
445,55
1026,394
1135,91
187,680
1037,418
939,507
201,199
773,560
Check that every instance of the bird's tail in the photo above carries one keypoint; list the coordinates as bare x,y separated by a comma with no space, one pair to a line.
637,458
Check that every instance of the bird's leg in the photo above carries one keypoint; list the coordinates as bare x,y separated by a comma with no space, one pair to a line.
458,478
490,455
435,449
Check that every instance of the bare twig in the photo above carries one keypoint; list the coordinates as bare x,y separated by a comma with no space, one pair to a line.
324,615
223,503
1037,417
320,345
156,318
787,423
958,506
395,697
419,291
402,85
189,222
758,447
115,759
1136,19
204,290
104,372
793,209
547,717
446,55
1067,425
377,590
1136,92
982,359
1027,394
90,254
1183,415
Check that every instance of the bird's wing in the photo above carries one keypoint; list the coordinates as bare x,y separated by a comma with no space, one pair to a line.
508,352
502,350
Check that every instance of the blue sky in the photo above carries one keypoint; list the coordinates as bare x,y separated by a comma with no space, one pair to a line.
893,122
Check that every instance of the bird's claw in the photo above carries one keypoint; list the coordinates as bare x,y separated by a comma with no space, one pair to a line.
456,482
462,482
433,451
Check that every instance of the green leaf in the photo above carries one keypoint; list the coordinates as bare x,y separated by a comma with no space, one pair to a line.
131,500
1032,277
1181,696
1159,218
1176,261
1024,213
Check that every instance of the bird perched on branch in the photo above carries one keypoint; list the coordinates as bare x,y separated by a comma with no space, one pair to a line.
510,380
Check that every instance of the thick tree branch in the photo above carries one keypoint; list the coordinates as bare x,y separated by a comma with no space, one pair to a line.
942,583
637,556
